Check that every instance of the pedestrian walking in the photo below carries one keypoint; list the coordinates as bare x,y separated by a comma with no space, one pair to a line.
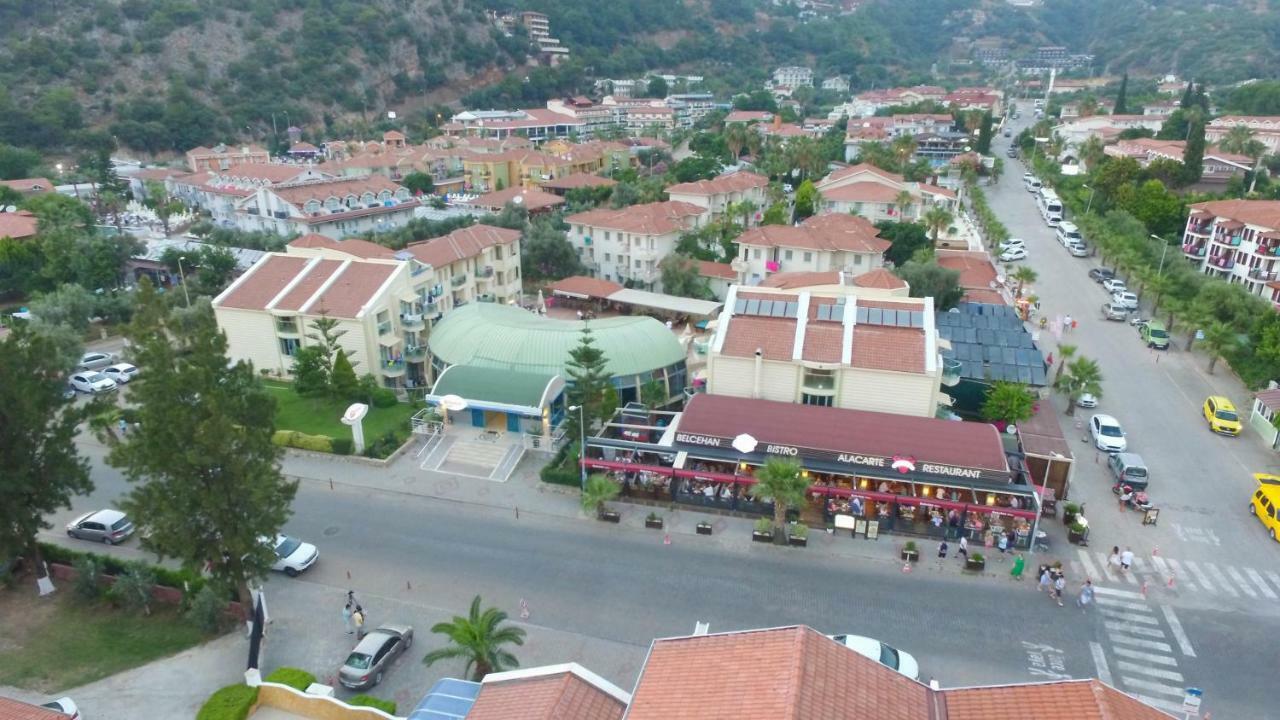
1086,595
124,427
1058,586
1126,558
1018,564
963,552
942,549
346,617
1067,323
1003,544
1045,579
1114,560
358,617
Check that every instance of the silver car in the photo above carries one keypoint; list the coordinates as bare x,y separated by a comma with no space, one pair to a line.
108,526
374,655
96,360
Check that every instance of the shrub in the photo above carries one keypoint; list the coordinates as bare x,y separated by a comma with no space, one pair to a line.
342,446
88,582
283,438
133,588
977,558
206,611
293,677
562,469
764,525
232,702
384,398
799,530
909,546
385,706
302,441
383,446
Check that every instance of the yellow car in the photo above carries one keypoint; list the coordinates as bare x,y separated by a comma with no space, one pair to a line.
1221,415
1266,502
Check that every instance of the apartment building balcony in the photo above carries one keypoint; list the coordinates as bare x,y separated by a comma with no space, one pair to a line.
1200,230
484,273
1193,250
384,328
391,367
951,369
1224,262
415,353
458,280
1267,248
644,254
1263,274
252,211
486,298
412,321
1228,240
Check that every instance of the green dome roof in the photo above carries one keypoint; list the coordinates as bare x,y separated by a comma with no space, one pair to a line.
509,338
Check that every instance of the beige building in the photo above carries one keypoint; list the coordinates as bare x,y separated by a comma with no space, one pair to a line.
384,300
860,348
879,195
627,244
333,208
822,243
718,194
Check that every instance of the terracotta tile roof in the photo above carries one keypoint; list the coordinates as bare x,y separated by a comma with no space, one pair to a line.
354,287
976,270
269,172
578,180
1264,213
929,440
852,170
984,295
879,278
719,270
532,199
811,678
658,218
1070,700
29,185
823,342
790,280
11,709
730,182
831,232
775,337
354,246
307,286
1270,398
862,192
936,190
460,244
303,147
886,348
583,286
560,696
393,135
744,116
262,282
159,174
18,225
299,194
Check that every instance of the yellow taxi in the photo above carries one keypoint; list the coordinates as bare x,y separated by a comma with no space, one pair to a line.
1266,503
1221,415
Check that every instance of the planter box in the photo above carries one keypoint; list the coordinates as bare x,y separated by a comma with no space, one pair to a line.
1074,537
797,541
610,516
911,555
704,528
1068,518
975,565
761,537
653,523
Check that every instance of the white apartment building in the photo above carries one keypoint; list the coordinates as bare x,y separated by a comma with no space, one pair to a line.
219,192
384,300
717,194
333,208
793,76
1237,241
822,243
839,84
877,194
1266,129
1076,131
626,245
843,349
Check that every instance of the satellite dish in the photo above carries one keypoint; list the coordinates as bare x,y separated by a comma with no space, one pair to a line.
518,200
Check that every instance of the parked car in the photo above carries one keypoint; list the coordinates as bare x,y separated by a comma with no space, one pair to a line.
66,706
1221,415
121,372
1112,311
1114,285
108,526
1130,469
1013,254
292,555
92,382
1154,335
1125,299
1078,249
1012,243
1012,151
886,655
95,360
69,392
373,656
1087,400
1107,434
1266,503
1099,274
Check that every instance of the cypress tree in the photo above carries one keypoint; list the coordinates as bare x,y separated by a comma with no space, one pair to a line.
1188,95
1193,155
1122,100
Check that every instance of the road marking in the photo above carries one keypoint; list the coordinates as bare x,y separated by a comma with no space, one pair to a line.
1175,627
1244,585
1100,663
1089,570
1222,579
1134,629
1131,617
1183,579
1106,567
1152,672
1125,604
1272,576
1200,575
1146,657
1117,639
1156,687
1118,593
1262,584
1171,707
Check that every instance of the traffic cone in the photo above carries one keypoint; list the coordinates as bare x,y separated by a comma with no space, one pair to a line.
666,539
906,567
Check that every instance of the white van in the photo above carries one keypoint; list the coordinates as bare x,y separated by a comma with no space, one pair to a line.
1030,182
1050,206
1069,234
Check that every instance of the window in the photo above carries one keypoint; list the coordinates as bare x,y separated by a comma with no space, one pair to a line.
756,252
815,379
808,257
606,234
384,322
497,252
289,346
607,257
788,255
821,400
287,324
857,259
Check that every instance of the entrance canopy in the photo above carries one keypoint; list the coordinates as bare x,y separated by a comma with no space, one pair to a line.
483,388
667,303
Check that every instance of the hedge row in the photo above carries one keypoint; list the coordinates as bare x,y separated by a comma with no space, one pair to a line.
303,441
385,706
563,470
232,702
297,679
190,583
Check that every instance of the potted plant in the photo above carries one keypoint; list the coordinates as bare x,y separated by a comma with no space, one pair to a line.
910,552
763,531
798,534
653,521
703,528
1069,513
598,490
975,562
1075,532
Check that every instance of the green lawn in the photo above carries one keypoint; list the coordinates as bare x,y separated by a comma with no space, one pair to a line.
323,417
57,643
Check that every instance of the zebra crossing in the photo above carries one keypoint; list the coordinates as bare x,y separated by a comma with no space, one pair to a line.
1184,576
1141,655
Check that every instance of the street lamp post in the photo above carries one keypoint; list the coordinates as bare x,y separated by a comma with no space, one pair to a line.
1090,203
582,445
183,275
1160,271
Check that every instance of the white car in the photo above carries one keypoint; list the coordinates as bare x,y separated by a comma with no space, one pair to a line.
1078,250
886,655
1114,285
1087,400
1125,299
1013,243
1107,434
292,555
66,706
1012,254
121,372
95,360
92,382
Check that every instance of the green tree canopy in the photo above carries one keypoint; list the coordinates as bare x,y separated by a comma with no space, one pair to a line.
929,279
782,482
680,277
905,239
808,200
545,252
1008,402
589,377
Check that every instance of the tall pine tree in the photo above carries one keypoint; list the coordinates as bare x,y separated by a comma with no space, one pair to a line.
1122,99
1193,154
206,476
588,377
1188,95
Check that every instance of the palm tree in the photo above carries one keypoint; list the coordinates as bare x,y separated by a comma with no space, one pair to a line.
1218,340
1082,376
782,481
598,490
1236,140
735,136
903,200
1066,351
1024,275
903,147
937,219
1092,151
479,638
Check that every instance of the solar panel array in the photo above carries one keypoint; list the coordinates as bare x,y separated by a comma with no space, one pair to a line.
890,318
766,308
991,343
